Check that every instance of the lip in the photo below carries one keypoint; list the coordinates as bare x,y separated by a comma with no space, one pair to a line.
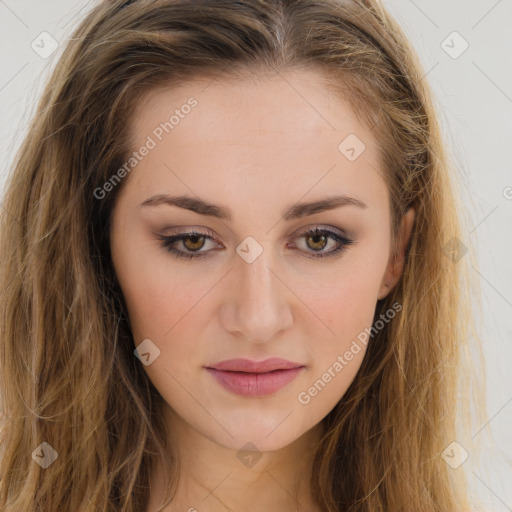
246,365
254,378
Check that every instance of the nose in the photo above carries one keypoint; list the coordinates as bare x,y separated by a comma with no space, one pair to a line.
258,306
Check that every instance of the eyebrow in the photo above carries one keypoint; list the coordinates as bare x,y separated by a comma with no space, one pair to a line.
295,211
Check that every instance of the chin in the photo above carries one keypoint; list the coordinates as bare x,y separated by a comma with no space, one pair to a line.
266,432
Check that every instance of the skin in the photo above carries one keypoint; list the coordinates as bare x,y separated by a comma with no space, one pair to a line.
256,146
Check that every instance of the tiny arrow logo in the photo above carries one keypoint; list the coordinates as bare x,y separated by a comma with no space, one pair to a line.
351,147
44,455
249,249
249,454
454,45
454,249
454,455
44,45
146,352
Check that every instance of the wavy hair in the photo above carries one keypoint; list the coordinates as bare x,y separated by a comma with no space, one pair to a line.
68,374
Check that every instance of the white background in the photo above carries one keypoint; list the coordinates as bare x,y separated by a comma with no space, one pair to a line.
474,94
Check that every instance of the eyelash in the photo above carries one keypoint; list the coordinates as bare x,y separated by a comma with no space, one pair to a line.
168,241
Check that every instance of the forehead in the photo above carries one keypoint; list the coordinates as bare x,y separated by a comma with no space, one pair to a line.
298,102
287,130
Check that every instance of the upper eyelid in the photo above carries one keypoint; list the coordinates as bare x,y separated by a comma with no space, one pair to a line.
209,234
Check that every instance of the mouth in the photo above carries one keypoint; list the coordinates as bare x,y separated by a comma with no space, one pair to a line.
254,378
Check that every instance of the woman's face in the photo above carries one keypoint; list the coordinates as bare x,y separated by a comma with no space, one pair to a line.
257,159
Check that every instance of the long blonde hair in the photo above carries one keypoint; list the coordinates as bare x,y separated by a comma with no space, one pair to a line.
68,373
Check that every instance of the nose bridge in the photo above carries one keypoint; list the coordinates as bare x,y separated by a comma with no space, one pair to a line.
258,306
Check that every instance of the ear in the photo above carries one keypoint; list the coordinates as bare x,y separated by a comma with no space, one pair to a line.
397,260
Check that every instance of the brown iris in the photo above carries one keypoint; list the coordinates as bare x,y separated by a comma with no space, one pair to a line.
194,239
317,237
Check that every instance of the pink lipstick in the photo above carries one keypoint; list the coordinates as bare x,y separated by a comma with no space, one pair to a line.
254,378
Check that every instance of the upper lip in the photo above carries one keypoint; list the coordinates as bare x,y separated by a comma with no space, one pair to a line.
246,365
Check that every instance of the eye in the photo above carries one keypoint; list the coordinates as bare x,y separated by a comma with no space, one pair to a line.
316,240
191,241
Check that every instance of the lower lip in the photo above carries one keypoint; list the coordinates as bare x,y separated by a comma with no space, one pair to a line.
255,384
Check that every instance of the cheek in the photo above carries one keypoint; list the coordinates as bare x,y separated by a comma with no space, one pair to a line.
337,356
164,310
158,303
347,306
157,290
347,301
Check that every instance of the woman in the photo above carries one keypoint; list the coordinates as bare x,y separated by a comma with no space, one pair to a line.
231,269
